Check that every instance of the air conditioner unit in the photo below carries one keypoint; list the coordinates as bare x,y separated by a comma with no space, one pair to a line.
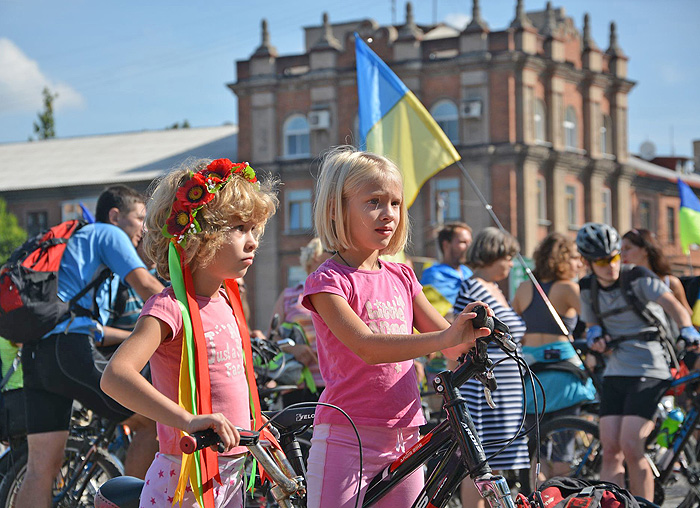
471,108
320,119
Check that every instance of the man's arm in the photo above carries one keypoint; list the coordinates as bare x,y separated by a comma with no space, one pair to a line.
675,309
145,284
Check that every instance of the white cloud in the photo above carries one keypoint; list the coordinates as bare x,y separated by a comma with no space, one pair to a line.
21,83
458,20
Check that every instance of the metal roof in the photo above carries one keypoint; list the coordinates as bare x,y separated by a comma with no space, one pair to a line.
109,158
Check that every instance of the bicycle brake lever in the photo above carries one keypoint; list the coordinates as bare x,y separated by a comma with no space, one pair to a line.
490,385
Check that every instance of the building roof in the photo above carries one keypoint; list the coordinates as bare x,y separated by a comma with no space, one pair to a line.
110,158
650,169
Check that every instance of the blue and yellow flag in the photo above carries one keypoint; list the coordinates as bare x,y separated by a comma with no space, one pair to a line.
394,123
689,217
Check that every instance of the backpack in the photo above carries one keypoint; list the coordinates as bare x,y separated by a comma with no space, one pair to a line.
668,330
29,303
559,492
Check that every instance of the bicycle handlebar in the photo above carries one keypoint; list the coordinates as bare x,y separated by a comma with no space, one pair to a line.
499,330
202,439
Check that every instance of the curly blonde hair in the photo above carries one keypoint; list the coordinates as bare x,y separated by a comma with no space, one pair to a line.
237,199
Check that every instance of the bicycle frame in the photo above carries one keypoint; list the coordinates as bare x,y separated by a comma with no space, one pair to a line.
457,440
85,471
682,435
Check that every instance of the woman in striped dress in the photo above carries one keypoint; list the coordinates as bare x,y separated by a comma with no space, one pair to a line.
490,257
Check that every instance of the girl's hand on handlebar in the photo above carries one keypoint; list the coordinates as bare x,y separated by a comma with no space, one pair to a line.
219,424
463,322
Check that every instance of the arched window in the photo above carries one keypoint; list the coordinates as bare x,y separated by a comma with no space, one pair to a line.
570,128
296,137
447,117
606,135
540,117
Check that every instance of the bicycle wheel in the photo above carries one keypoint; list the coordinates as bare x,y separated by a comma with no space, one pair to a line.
98,470
680,482
570,446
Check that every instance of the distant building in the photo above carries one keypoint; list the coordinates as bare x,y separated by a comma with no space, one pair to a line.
45,181
537,110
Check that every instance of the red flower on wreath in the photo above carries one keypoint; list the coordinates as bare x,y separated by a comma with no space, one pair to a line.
217,171
194,193
180,220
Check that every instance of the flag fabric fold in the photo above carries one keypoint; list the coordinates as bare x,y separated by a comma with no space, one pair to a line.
689,223
394,123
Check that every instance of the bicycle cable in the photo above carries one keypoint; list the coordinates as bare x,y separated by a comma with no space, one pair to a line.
354,428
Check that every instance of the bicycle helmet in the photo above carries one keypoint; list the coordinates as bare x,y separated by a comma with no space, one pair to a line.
595,240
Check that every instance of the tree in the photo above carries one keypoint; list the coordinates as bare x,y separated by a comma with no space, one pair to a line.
11,235
45,127
184,125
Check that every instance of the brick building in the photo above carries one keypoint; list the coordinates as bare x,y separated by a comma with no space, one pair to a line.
537,110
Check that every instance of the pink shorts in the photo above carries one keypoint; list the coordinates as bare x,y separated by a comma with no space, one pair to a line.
334,463
162,477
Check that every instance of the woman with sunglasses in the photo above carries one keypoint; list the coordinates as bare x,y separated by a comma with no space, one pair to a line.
637,367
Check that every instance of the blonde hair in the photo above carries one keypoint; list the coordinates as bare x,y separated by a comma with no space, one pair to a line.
238,199
344,170
309,252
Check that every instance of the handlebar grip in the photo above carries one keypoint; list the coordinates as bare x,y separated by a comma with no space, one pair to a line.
482,319
202,439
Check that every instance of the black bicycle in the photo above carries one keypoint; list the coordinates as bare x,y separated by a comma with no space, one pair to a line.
86,465
679,464
454,441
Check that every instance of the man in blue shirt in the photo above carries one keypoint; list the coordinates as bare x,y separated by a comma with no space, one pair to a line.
60,367
442,281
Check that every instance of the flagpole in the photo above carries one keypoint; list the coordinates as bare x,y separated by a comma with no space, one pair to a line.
494,217
690,264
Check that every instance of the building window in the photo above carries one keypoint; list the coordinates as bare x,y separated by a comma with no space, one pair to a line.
296,137
540,118
37,222
645,215
299,210
446,115
570,128
72,210
571,207
606,135
542,202
671,224
295,275
607,206
447,200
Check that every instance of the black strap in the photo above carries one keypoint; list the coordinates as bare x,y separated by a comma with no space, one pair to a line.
76,309
562,366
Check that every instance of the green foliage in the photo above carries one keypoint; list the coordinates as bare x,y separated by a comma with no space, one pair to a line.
184,125
11,235
45,127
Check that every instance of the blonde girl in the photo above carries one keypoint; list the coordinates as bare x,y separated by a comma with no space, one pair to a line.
364,310
210,216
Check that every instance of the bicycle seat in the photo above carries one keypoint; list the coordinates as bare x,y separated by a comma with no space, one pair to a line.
120,492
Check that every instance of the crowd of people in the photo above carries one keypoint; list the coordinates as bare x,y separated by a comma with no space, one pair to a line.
365,319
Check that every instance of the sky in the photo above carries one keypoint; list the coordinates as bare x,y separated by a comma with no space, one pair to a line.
139,65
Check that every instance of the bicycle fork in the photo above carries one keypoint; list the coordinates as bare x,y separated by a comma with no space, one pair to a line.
494,489
286,481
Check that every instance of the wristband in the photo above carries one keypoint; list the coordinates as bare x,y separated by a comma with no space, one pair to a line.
593,333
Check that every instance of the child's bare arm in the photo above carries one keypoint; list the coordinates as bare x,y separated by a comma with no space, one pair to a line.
122,380
376,348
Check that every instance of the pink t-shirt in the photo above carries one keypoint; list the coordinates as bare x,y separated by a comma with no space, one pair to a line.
384,395
229,389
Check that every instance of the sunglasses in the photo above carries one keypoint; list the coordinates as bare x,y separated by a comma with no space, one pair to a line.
607,261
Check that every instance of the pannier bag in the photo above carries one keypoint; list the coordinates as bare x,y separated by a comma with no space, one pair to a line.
576,493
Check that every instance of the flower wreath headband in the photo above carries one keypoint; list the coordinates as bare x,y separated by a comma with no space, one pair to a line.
194,391
197,192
